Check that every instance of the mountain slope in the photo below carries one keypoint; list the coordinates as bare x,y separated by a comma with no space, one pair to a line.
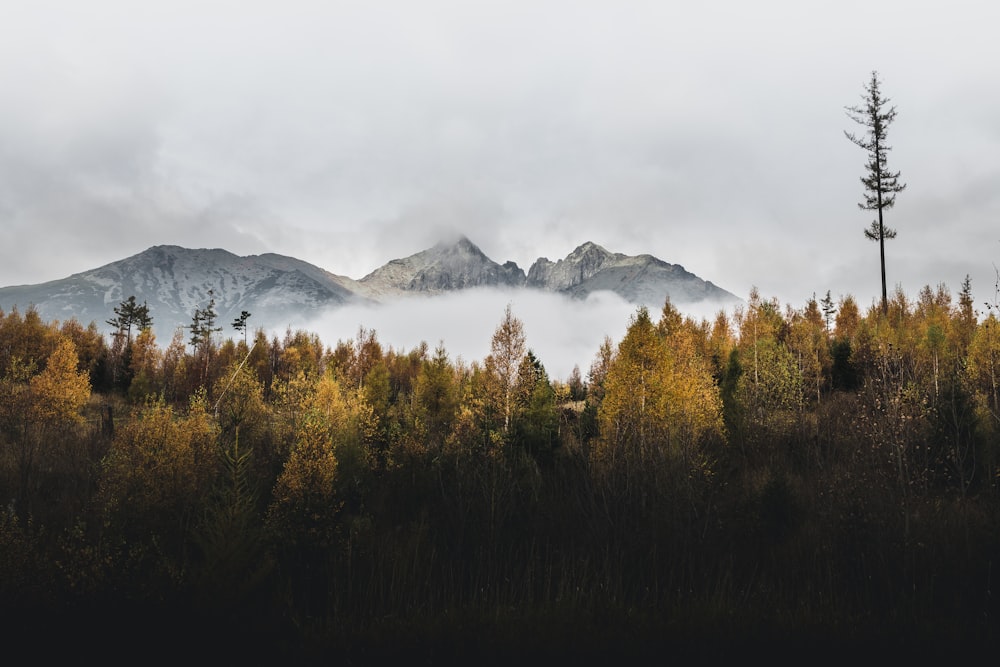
174,281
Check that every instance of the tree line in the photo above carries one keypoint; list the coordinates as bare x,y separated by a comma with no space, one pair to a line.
820,470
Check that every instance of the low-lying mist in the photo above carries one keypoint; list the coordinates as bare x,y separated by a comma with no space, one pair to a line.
561,332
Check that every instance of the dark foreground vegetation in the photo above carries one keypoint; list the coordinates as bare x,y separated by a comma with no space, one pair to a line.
811,485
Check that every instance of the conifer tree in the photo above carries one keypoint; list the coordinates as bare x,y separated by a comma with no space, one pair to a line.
829,309
881,185
240,324
143,320
202,328
130,314
203,325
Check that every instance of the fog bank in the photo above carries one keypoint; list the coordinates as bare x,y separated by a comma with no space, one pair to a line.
560,331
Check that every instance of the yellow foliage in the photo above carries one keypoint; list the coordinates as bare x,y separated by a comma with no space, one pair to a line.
60,391
311,468
328,400
660,398
160,460
983,371
331,432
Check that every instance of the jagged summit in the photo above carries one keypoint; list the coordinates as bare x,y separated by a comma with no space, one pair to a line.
588,249
458,242
577,267
458,264
459,249
641,279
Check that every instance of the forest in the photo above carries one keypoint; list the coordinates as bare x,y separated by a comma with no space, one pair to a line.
808,482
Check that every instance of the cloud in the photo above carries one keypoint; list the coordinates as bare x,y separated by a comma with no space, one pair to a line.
350,134
562,332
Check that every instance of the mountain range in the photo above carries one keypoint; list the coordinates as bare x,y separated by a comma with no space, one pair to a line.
279,290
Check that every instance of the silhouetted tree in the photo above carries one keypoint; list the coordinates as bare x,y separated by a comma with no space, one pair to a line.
240,324
829,309
881,185
202,327
128,314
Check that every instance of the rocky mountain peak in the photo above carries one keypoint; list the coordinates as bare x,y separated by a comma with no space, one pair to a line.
460,243
642,279
588,251
449,265
451,251
578,266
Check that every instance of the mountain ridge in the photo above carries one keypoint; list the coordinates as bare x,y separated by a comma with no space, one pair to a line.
173,281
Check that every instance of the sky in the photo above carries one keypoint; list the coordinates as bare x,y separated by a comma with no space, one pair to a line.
347,134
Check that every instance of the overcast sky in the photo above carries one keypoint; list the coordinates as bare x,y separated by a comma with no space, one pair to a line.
348,134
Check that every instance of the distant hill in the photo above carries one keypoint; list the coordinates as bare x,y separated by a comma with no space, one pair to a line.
278,290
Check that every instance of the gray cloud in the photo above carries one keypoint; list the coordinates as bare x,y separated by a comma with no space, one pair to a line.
349,134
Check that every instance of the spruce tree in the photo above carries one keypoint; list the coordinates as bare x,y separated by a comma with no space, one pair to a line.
829,309
128,314
240,324
881,185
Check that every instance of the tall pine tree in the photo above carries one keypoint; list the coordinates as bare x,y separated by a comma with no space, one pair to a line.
881,185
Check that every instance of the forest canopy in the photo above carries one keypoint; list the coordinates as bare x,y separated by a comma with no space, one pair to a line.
814,469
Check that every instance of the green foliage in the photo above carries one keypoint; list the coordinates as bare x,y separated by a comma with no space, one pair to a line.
770,389
537,428
435,399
